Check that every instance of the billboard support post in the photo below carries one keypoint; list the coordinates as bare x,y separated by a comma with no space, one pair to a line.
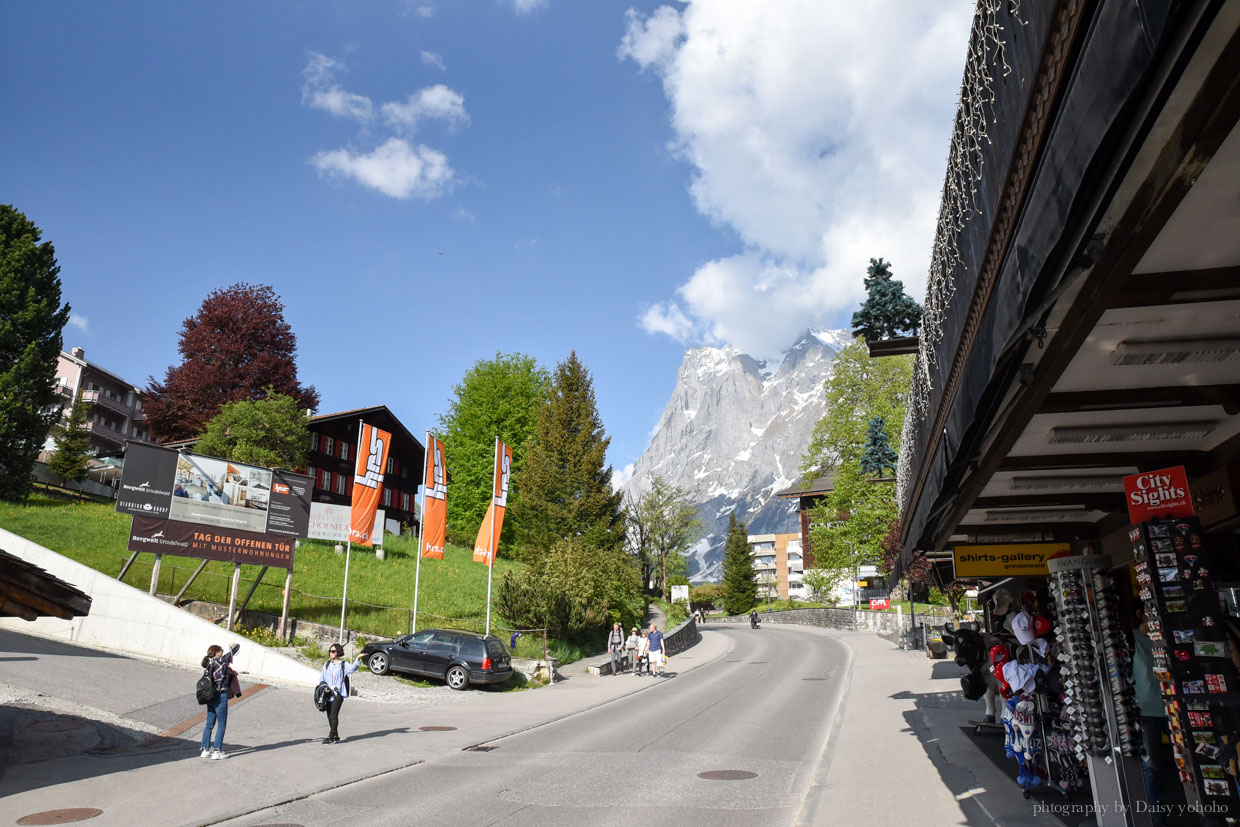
159,558
344,598
253,588
128,563
176,601
288,588
232,594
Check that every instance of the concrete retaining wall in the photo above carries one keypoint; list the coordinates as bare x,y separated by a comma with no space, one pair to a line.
126,620
675,641
881,623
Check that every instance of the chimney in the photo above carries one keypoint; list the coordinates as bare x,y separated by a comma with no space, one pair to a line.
79,353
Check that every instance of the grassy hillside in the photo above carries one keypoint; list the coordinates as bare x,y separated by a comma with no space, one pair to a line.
452,591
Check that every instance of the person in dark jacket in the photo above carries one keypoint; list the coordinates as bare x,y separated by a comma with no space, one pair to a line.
615,645
224,681
336,675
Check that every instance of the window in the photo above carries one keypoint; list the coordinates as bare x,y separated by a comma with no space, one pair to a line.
404,473
329,446
314,441
325,479
391,466
387,496
340,482
404,502
344,450
443,642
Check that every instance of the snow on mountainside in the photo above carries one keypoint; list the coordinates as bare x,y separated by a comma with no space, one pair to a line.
733,434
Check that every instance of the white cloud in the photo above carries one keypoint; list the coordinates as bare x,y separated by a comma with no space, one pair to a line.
817,142
524,7
464,214
321,91
619,478
425,10
436,102
80,322
394,168
432,59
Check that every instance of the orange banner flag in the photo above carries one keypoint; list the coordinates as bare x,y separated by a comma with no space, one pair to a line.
434,501
372,456
488,534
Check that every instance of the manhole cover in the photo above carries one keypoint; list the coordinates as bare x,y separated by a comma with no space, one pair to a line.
727,775
437,728
67,816
55,726
479,748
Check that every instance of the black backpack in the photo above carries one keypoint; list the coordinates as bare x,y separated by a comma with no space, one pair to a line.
322,696
205,690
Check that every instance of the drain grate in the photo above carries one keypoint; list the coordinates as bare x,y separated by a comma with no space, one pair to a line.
727,775
437,728
67,816
55,726
479,748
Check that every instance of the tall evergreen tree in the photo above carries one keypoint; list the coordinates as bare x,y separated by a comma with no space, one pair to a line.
878,455
887,311
740,581
566,485
236,347
68,461
31,321
497,397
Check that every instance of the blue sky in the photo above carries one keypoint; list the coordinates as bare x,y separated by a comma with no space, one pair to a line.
457,179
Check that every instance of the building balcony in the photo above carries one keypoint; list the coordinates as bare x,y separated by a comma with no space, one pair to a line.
65,391
104,432
102,399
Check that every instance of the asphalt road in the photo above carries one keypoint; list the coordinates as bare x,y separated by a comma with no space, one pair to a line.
762,706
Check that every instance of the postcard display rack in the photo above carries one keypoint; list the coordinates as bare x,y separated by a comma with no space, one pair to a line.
1096,668
1192,659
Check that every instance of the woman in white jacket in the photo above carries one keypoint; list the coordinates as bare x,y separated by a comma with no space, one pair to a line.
336,675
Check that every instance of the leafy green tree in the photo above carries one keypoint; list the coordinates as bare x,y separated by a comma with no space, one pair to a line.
820,583
663,526
69,459
740,581
849,526
269,432
887,310
31,321
707,594
497,397
877,456
566,485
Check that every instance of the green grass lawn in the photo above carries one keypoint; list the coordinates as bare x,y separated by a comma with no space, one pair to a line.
452,591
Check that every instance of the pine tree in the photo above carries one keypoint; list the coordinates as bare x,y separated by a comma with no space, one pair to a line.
566,487
68,461
740,581
236,347
887,311
878,455
31,321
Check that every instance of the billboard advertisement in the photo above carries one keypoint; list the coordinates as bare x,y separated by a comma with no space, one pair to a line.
329,522
210,542
1155,494
372,457
163,483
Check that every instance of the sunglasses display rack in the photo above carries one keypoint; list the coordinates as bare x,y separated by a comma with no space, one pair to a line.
1095,666
1192,659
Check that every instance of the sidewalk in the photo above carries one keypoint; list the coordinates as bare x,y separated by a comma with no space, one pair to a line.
898,754
273,738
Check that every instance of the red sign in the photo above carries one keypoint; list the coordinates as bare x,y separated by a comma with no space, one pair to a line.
1156,494
877,603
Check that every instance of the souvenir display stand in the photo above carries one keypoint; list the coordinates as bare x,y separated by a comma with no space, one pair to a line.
1192,660
1096,667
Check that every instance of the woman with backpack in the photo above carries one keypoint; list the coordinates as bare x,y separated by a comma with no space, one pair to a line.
225,685
336,675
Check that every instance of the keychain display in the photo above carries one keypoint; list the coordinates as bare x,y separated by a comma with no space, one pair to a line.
1192,658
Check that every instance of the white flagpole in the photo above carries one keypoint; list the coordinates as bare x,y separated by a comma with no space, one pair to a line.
491,556
344,598
417,569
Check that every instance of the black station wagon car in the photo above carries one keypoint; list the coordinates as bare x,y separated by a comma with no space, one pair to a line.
457,658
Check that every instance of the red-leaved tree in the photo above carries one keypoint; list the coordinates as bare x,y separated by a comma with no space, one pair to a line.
236,347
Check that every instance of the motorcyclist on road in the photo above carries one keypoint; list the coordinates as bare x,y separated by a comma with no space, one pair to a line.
753,619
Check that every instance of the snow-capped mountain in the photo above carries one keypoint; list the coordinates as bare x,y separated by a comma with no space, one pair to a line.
733,435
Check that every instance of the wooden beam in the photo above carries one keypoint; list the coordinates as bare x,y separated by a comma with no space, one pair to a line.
897,346
1161,397
1141,460
1178,287
9,608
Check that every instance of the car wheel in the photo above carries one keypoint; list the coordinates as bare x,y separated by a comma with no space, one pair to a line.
378,663
458,678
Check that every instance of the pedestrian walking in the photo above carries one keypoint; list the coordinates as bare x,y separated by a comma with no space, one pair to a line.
656,650
336,675
615,645
225,685
630,646
643,654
